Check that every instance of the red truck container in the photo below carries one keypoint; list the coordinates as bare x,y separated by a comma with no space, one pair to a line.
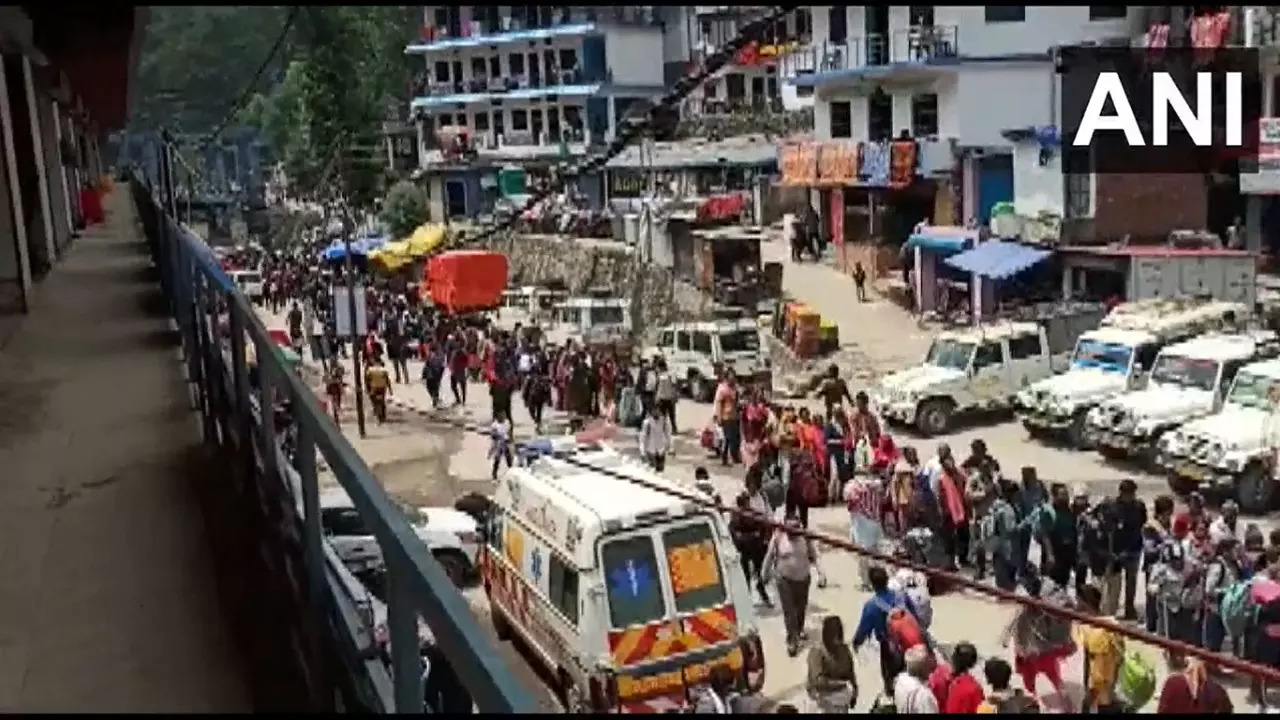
461,281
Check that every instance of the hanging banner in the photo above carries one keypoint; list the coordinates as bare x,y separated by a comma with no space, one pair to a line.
837,218
902,163
873,164
799,164
838,163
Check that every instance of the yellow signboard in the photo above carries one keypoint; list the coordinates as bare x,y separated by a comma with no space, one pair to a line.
693,567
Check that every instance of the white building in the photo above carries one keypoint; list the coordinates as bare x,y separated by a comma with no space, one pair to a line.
531,77
961,81
1262,209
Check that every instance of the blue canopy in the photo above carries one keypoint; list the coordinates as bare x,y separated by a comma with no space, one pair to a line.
945,240
337,250
997,259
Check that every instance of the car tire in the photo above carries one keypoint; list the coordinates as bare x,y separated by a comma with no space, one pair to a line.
455,566
1255,490
1034,432
933,417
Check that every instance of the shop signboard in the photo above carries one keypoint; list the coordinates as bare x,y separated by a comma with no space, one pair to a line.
838,164
798,163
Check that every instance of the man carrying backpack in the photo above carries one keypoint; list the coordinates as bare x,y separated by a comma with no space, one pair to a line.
891,618
1223,575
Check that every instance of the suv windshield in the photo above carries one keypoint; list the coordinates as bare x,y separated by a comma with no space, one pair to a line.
735,341
950,354
1108,357
1186,372
633,584
1253,391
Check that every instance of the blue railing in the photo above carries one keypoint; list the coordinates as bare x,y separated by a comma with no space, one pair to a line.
274,467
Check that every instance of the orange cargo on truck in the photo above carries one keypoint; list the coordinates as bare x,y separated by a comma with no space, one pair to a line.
461,281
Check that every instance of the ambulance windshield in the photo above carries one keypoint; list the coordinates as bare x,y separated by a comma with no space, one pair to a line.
690,559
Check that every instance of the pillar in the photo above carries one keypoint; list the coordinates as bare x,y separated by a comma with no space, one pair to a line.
21,262
42,172
58,176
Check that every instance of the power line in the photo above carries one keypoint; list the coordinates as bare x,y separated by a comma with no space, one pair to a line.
252,85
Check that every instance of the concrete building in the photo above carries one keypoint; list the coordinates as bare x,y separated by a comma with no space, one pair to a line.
1261,29
58,99
534,79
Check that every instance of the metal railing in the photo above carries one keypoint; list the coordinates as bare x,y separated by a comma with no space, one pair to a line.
347,663
921,45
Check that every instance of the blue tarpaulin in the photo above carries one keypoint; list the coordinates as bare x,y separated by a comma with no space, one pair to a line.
359,248
944,240
997,259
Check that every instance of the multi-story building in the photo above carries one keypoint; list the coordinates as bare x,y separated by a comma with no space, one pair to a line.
535,77
959,81
1261,30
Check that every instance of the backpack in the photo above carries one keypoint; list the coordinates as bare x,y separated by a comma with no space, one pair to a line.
1018,703
901,627
1237,608
1136,680
916,588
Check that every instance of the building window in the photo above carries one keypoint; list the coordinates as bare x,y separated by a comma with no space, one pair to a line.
442,71
495,66
710,90
924,115
841,119
735,87
478,68
481,123
516,63
837,24
573,117
920,15
519,120
879,116
1108,12
804,23
1005,13
806,91
1079,191
444,120
568,58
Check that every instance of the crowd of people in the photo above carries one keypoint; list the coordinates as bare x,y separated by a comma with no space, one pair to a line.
1203,578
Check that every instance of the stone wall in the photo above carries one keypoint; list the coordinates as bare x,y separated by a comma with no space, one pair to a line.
583,264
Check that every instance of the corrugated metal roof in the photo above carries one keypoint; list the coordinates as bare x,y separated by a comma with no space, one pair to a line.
1154,251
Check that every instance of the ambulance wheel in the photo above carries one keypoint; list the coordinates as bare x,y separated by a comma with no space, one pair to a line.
501,627
1255,490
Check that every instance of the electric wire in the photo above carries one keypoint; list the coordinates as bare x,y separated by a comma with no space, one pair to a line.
252,85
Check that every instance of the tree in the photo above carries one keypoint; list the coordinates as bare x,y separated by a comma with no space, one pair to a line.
404,209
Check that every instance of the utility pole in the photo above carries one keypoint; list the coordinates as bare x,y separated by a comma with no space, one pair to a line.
357,340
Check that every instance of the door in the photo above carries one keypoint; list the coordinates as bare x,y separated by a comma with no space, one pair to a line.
680,358
1028,361
995,183
988,382
455,192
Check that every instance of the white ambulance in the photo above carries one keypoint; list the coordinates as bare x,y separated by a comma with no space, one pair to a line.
629,595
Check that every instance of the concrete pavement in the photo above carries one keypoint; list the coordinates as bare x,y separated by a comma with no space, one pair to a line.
390,449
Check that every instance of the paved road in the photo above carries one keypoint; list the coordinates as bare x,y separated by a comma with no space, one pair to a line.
422,461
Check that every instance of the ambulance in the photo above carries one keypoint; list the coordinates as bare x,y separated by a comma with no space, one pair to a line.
629,595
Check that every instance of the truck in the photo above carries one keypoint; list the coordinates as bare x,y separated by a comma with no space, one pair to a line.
1113,358
1188,380
1232,451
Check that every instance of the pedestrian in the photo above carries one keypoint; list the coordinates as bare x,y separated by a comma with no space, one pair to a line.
1003,698
963,695
1063,537
458,371
537,395
864,498
717,696
860,281
1104,652
665,392
655,439
751,539
499,443
433,375
727,417
911,693
1193,690
874,623
1000,535
789,562
1041,641
831,682
1130,519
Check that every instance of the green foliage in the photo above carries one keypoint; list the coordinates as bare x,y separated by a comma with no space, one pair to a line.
404,209
341,74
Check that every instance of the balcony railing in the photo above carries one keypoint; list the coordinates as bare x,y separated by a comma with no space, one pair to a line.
560,78
642,16
267,423
923,45
724,120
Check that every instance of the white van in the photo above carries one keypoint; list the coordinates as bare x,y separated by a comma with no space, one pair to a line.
693,352
628,595
248,282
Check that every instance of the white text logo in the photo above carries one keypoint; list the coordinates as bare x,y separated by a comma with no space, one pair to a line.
1165,96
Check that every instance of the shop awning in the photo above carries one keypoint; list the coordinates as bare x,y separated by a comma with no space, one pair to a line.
941,238
997,259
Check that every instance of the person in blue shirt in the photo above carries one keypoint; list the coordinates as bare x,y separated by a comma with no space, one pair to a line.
874,624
